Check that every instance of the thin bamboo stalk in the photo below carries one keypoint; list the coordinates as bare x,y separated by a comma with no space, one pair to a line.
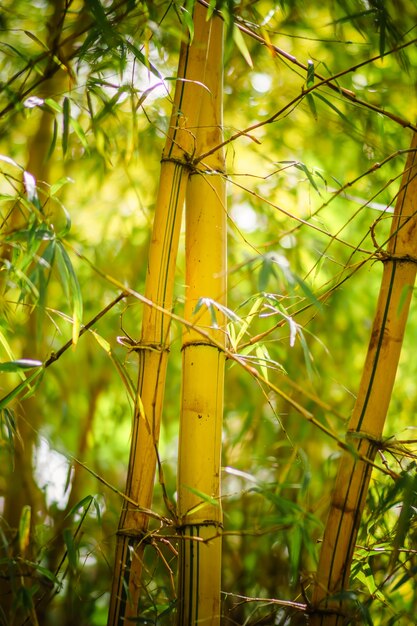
199,505
154,344
367,421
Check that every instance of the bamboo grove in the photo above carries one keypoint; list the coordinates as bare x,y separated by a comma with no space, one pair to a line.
208,213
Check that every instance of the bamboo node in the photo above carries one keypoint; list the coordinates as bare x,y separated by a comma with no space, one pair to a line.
382,255
139,536
361,434
186,162
137,346
207,344
182,528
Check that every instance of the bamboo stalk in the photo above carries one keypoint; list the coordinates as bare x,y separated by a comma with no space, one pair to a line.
199,506
369,414
154,343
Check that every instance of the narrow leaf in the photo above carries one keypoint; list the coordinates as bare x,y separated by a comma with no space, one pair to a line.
24,528
312,105
85,503
79,132
66,121
71,549
19,364
74,293
310,74
241,44
100,16
19,388
53,140
188,21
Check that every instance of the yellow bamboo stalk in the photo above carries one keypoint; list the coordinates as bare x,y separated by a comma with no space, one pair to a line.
367,421
154,343
199,505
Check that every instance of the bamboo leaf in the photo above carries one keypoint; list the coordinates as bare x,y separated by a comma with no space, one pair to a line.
206,499
308,293
267,271
308,359
79,132
310,74
240,474
263,356
7,418
31,190
46,573
241,44
143,59
52,104
295,541
72,553
307,172
9,351
24,528
19,364
59,184
334,108
35,39
53,140
105,26
187,16
66,110
102,342
406,516
312,105
211,8
249,318
121,369
85,503
74,293
19,388
97,509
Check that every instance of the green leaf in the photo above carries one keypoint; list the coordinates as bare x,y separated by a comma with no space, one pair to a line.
19,388
74,291
66,109
308,359
72,553
105,26
31,189
187,17
263,356
307,172
53,105
46,573
79,132
53,140
59,184
203,496
241,44
312,105
211,8
144,60
267,271
333,107
24,528
310,74
295,542
249,318
85,504
20,364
